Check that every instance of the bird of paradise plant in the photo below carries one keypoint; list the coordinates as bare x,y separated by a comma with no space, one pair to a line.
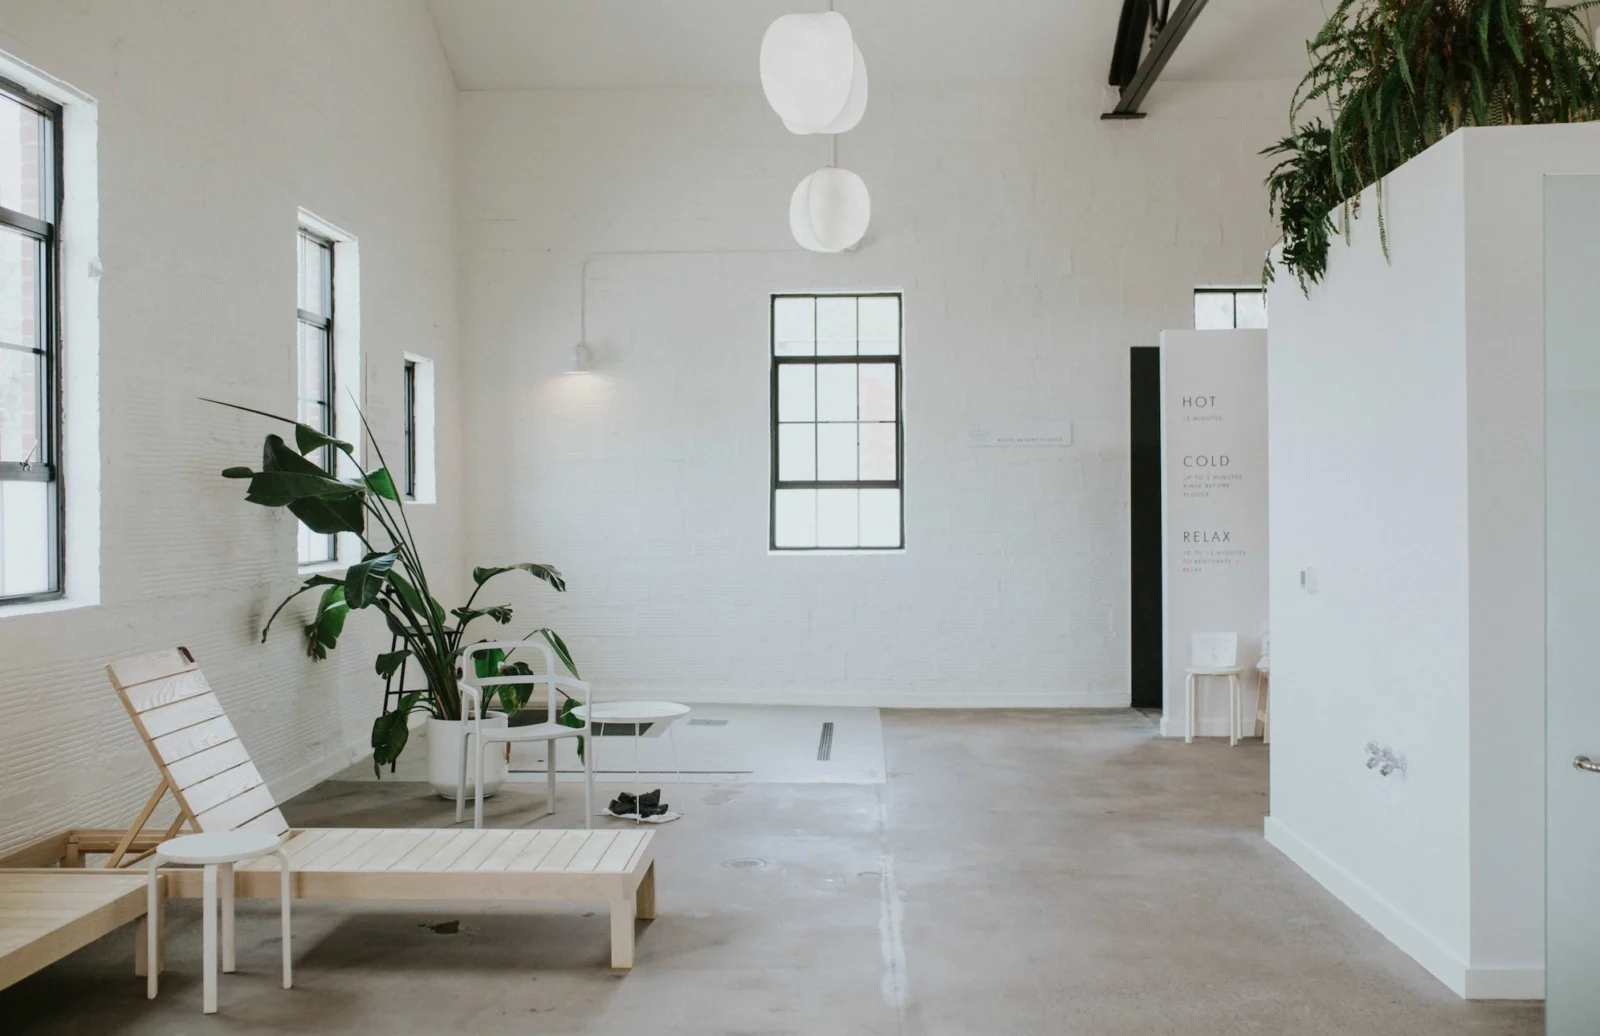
390,579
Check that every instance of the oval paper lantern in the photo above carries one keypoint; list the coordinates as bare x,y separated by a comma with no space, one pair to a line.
808,70
830,211
854,108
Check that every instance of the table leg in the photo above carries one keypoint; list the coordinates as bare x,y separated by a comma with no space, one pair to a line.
283,895
229,944
208,952
622,933
152,927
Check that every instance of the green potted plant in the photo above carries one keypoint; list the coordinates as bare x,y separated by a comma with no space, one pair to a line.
1398,76
391,580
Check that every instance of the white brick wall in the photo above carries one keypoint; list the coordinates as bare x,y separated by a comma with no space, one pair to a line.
1035,244
217,121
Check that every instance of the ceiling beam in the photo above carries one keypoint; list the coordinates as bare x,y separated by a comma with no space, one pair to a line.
1161,51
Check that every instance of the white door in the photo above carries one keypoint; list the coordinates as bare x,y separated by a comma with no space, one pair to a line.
1572,564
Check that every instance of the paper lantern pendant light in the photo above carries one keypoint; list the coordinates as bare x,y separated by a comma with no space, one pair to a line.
813,73
830,211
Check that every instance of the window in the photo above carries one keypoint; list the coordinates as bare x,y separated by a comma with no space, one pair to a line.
419,483
411,430
317,368
1227,308
31,522
838,443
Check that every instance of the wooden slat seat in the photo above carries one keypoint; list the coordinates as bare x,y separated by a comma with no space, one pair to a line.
45,915
205,767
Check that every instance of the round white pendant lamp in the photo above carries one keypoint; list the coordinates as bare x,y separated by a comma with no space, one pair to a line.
813,74
830,211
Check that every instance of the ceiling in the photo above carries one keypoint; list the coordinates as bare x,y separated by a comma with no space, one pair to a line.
540,44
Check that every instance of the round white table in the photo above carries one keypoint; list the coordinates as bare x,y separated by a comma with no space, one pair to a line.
638,715
217,852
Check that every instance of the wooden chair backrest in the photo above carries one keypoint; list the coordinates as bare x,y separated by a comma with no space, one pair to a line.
199,754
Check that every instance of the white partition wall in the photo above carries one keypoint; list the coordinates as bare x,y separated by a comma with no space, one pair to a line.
1406,429
1214,513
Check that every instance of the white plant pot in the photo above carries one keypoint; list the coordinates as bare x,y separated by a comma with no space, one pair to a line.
444,758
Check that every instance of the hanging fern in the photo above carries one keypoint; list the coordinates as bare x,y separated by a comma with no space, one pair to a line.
1397,77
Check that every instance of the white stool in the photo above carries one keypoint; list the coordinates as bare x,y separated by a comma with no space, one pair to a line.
1213,654
638,715
216,852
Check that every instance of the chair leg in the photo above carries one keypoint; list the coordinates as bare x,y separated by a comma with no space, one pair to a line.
588,782
283,895
1266,718
477,790
1188,709
461,778
550,776
208,951
229,944
1234,707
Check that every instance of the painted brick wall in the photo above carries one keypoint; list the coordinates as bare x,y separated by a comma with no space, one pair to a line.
1034,243
217,121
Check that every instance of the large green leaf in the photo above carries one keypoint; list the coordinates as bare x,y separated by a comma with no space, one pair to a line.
322,633
560,648
500,613
281,488
331,514
381,483
314,581
390,662
546,572
390,732
365,580
309,441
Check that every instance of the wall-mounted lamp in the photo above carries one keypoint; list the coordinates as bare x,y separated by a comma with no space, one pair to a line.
581,357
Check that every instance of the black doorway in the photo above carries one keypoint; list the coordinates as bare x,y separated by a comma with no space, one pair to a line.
1145,433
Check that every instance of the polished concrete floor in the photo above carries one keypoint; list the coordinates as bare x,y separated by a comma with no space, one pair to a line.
1019,873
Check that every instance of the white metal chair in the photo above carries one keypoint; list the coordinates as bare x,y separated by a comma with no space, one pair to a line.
477,739
1213,654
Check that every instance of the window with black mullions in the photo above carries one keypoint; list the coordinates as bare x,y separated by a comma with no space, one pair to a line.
411,430
838,443
31,552
316,370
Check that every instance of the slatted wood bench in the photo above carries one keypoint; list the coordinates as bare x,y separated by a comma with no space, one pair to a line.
206,769
47,914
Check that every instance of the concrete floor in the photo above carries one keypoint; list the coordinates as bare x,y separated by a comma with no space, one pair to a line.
1020,873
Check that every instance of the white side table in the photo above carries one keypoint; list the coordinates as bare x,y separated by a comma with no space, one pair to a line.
218,852
638,715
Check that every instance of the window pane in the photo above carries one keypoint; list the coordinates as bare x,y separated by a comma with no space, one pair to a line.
838,524
797,452
836,326
797,392
794,327
877,391
316,548
22,166
20,401
879,460
1213,310
315,259
836,453
880,327
19,289
836,392
26,513
1252,308
314,366
794,517
880,518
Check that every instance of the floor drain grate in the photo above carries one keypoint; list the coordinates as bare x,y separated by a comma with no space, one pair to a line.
825,746
708,722
745,865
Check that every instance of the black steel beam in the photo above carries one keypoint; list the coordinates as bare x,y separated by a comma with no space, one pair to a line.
1161,51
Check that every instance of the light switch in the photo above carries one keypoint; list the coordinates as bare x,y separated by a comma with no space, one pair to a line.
1308,579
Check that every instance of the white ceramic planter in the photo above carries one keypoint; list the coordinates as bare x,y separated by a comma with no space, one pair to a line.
444,758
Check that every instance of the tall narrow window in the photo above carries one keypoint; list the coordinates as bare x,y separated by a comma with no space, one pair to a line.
31,549
411,429
1226,308
838,446
317,370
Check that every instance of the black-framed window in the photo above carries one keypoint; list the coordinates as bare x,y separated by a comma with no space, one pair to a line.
838,429
316,365
411,429
1225,308
32,524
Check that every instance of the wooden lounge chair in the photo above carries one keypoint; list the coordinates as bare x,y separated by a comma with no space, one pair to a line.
206,769
47,914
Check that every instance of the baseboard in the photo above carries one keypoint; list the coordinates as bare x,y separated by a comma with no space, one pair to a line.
981,697
1372,908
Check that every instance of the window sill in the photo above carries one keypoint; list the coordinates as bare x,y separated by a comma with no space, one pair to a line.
322,568
841,553
59,604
